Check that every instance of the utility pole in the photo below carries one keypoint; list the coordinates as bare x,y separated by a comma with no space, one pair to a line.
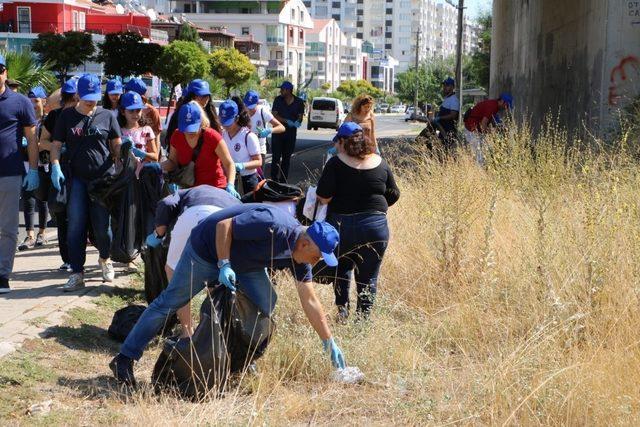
459,54
415,94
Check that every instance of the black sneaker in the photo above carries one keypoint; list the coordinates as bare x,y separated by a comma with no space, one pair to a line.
27,243
65,267
122,368
4,285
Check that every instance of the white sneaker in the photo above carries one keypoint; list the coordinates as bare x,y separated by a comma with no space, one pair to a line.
75,282
108,274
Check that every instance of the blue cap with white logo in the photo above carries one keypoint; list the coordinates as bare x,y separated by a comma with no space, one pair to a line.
346,130
286,85
326,237
131,101
507,98
70,86
199,87
228,112
89,88
114,87
449,82
137,85
189,118
37,92
251,99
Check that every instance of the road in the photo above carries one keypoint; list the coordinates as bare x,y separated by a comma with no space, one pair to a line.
306,162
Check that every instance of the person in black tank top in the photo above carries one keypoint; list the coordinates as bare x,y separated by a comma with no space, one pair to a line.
358,187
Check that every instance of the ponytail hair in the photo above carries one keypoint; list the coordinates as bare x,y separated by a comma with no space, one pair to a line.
244,118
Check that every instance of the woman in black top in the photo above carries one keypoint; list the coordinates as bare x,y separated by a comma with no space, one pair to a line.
358,186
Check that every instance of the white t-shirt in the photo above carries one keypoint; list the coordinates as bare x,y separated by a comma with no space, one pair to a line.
242,146
451,102
261,119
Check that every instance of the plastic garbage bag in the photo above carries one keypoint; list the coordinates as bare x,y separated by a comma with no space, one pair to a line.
155,276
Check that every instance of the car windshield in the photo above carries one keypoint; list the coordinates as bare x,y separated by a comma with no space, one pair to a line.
324,105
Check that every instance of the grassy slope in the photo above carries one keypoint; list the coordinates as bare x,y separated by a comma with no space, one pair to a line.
507,296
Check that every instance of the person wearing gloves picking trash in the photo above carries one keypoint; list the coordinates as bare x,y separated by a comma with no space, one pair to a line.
261,118
17,120
288,109
236,245
195,141
143,139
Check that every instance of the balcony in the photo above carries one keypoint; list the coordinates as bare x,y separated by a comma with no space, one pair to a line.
276,64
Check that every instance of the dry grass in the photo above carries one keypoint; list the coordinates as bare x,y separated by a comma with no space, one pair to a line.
509,296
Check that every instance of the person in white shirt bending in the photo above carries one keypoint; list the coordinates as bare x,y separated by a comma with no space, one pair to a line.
261,117
242,143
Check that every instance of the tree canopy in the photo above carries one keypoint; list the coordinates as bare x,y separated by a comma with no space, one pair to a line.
188,34
23,67
479,65
64,52
180,62
352,88
125,54
231,66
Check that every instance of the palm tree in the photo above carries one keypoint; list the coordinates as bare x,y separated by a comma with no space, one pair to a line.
26,69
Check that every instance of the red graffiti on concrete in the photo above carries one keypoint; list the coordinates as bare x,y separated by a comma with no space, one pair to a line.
619,75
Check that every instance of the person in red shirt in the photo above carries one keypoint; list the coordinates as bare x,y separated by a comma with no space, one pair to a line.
213,165
478,120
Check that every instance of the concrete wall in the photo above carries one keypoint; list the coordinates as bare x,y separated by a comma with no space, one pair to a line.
578,58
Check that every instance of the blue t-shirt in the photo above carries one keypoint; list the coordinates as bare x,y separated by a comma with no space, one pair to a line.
293,111
16,113
449,104
171,207
263,237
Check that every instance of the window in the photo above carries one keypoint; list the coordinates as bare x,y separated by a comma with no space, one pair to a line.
387,46
359,35
389,11
74,20
336,17
293,14
320,66
82,21
24,19
388,35
279,54
187,8
245,31
359,25
388,23
290,57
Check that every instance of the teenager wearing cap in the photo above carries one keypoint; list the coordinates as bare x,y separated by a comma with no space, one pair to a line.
447,118
17,120
68,99
289,110
362,114
237,245
478,120
143,139
38,97
91,135
112,95
150,114
261,118
213,164
358,186
241,142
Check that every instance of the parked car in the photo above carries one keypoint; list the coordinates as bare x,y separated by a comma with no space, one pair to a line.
384,108
326,113
408,115
398,108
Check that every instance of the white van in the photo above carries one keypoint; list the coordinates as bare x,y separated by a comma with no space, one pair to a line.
326,113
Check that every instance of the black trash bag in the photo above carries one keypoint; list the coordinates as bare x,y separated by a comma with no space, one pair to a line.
124,320
155,276
231,335
151,192
268,190
42,192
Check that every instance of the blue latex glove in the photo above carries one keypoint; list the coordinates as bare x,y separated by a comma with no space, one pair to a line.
127,143
297,124
153,241
32,180
337,358
227,276
291,123
231,190
155,166
239,167
173,188
24,142
264,133
57,178
138,153
332,151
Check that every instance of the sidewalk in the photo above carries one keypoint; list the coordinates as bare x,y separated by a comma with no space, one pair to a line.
36,301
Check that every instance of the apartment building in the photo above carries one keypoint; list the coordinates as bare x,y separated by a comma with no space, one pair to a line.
324,44
344,12
279,28
352,59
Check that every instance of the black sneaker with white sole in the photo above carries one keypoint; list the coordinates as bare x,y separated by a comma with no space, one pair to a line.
4,285
122,368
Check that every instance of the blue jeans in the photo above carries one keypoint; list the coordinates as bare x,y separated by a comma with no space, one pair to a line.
188,280
79,208
363,241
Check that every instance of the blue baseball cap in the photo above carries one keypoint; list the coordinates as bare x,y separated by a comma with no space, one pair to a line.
507,98
3,61
346,130
89,88
37,92
286,85
251,99
449,82
136,85
199,87
326,237
189,118
227,112
131,101
70,86
114,87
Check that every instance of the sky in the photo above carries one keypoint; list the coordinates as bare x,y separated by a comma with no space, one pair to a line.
477,6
